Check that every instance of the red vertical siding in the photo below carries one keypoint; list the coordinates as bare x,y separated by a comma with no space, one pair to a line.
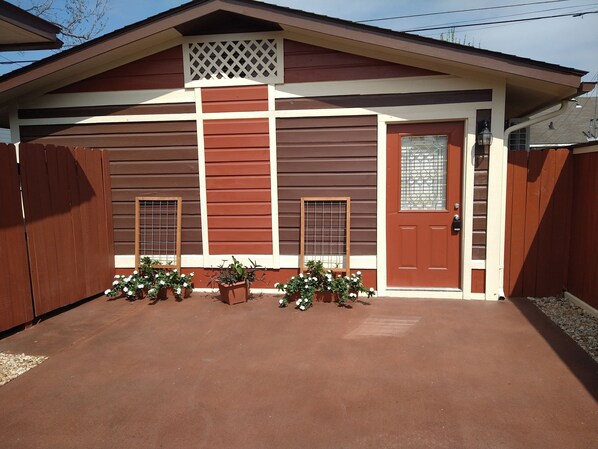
307,63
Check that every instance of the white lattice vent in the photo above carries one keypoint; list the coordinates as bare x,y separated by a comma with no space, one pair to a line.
234,61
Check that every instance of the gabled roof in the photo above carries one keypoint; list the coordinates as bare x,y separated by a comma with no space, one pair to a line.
532,84
20,30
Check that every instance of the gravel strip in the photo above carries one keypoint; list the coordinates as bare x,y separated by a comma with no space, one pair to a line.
576,322
13,365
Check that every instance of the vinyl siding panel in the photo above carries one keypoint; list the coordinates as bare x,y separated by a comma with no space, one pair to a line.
146,159
327,156
307,63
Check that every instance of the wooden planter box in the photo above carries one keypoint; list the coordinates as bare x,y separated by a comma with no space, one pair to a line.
235,293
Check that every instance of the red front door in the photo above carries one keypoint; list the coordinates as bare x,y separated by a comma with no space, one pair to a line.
423,196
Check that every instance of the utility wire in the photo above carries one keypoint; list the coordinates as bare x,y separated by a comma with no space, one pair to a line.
528,19
460,10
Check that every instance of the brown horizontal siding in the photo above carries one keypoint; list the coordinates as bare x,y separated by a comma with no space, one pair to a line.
384,100
307,63
480,194
112,110
330,156
146,159
163,70
238,184
235,99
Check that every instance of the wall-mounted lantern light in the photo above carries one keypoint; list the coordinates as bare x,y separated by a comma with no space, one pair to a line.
484,134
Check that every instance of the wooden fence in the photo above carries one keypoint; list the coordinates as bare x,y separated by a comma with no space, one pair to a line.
552,224
68,224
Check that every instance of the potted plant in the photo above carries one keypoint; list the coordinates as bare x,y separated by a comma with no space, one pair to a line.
234,280
151,282
319,285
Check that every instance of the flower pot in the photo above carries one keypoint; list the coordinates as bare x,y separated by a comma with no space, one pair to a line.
324,297
187,292
234,293
162,294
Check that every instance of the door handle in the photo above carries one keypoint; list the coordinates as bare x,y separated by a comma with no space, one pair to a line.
456,227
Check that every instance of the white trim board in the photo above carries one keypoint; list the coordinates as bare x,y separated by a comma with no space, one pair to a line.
418,84
581,303
203,261
111,98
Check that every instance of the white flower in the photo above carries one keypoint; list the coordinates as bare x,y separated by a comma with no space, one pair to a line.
301,275
145,277
298,302
116,276
140,286
126,289
178,291
115,283
185,285
352,295
359,273
306,281
162,282
183,275
107,292
192,274
280,301
122,276
128,279
372,290
347,277
292,277
135,272
284,286
276,285
329,276
329,288
175,270
302,307
304,299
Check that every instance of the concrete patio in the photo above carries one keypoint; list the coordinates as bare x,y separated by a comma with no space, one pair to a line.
394,374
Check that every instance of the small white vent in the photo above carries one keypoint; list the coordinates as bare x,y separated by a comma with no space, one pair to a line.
217,62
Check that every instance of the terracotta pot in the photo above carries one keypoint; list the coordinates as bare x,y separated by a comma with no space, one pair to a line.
324,297
162,294
235,293
187,292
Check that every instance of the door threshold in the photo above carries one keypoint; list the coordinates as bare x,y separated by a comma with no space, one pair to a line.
424,289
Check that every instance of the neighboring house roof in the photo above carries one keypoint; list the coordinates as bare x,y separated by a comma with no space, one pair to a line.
530,85
20,30
568,128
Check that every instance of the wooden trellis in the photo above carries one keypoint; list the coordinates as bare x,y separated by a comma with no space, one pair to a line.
158,230
326,232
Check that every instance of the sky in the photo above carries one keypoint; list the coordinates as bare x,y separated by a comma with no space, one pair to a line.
567,41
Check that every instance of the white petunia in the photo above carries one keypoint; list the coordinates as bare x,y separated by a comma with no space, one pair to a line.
302,307
280,301
126,289
329,288
183,275
284,286
116,276
175,270
185,285
298,302
359,273
140,286
115,283
192,274
372,290
276,285
292,277
122,276
301,275
178,291
135,272
107,292
304,299
162,282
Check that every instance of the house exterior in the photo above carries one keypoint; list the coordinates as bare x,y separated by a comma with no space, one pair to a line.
243,108
21,30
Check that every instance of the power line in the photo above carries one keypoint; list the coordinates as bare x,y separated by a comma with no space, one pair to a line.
528,19
460,10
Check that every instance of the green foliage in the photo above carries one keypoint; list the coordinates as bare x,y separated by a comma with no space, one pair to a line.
150,281
302,288
236,272
451,36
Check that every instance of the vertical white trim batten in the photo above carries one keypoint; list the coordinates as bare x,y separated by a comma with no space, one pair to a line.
381,208
497,197
201,162
15,132
273,176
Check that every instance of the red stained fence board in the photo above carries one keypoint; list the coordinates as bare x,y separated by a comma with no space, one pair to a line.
15,293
